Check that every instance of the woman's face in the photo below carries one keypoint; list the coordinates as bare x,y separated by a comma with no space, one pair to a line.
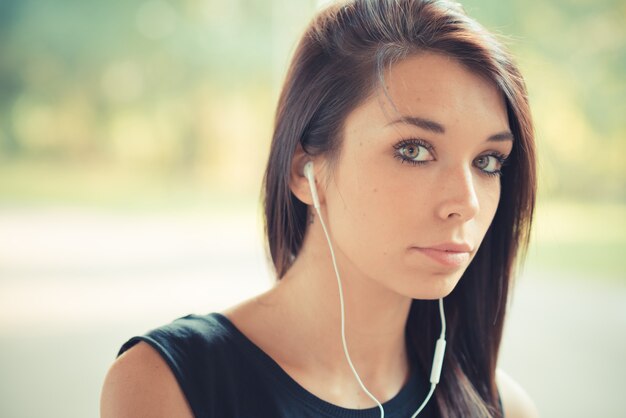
420,175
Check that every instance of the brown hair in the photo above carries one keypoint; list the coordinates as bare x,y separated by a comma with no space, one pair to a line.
338,63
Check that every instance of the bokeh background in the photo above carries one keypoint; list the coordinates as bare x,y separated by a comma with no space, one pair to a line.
133,137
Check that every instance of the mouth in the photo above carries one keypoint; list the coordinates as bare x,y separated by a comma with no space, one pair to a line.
445,257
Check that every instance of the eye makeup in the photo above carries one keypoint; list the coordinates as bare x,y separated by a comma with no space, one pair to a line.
407,150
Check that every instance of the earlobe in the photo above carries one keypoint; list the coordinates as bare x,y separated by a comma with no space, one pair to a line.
298,182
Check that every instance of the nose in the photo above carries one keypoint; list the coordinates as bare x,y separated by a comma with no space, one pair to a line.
458,198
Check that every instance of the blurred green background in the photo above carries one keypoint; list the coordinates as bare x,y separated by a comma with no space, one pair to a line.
169,104
134,108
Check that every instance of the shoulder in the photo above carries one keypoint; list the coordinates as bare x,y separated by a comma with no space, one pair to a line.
140,383
515,400
189,339
169,370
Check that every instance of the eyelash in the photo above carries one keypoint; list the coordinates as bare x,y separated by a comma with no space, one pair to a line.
501,158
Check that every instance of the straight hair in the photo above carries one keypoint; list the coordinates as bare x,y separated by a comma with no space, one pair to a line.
339,62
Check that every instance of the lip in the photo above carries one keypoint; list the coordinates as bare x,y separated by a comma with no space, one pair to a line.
459,247
448,254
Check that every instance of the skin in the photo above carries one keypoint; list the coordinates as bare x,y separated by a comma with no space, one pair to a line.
376,209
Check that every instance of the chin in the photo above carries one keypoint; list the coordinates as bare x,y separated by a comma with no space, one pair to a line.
436,287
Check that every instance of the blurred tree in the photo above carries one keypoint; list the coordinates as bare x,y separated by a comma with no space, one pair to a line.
189,86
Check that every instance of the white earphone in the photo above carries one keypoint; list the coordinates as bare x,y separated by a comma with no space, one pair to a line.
308,173
440,347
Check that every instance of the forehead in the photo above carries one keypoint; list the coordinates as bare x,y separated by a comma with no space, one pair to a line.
439,88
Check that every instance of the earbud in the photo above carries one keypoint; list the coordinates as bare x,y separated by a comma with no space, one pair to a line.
308,173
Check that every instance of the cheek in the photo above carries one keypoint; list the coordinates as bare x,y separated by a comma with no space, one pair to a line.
386,200
376,214
361,206
361,213
488,200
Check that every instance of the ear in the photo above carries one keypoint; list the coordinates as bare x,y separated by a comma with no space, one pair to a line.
298,183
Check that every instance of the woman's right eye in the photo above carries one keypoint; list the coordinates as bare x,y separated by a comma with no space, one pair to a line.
412,151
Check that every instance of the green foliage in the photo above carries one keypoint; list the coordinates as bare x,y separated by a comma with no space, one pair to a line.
189,86
573,56
169,104
585,238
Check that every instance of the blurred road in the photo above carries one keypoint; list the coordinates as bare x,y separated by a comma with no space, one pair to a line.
74,285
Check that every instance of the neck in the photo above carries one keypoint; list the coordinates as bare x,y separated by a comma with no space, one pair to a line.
375,319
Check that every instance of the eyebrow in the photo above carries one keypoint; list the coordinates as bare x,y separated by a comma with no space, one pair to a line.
436,127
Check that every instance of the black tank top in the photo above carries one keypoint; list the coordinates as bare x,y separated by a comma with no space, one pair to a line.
223,374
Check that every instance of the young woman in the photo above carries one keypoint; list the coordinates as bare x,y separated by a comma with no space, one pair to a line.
401,173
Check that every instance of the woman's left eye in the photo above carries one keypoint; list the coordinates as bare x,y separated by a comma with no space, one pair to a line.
491,164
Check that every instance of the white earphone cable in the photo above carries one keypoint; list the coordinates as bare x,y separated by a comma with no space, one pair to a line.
438,352
343,319
441,342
